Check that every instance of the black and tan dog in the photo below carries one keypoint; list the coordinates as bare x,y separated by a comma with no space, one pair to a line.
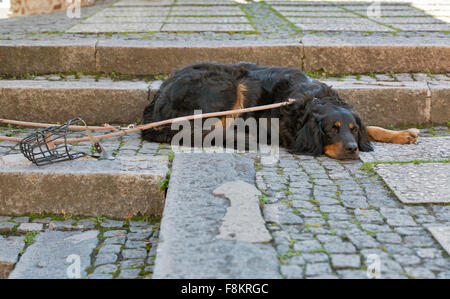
319,122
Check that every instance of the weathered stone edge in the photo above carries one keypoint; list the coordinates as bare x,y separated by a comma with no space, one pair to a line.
379,59
380,103
96,103
96,194
145,57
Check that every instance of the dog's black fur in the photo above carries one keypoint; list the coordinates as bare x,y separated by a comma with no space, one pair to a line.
318,122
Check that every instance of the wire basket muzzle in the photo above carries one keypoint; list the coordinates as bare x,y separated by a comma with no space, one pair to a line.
50,145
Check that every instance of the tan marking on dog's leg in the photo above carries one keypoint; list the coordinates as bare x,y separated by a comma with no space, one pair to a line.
333,150
399,137
239,104
240,99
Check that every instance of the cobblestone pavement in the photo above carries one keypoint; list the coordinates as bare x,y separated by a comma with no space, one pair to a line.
229,20
118,249
328,219
155,81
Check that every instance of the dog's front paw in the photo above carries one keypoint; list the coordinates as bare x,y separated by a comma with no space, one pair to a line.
406,137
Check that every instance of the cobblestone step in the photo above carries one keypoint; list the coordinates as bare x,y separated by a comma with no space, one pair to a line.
58,101
142,57
392,100
346,54
126,186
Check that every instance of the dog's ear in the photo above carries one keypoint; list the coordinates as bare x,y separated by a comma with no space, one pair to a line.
364,143
309,138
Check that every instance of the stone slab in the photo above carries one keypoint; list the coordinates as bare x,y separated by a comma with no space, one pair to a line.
416,20
116,20
383,6
10,248
206,2
296,2
188,246
440,14
132,13
133,9
423,27
375,54
116,27
389,11
141,57
207,27
336,21
417,183
386,103
134,3
319,13
57,101
295,16
49,257
115,188
440,102
209,13
243,220
42,57
411,12
326,8
341,24
206,5
180,19
217,20
442,235
425,148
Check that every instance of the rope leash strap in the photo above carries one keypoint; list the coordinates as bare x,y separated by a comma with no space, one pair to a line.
105,127
143,127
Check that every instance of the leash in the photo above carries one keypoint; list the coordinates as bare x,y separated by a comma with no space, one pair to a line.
131,128
105,127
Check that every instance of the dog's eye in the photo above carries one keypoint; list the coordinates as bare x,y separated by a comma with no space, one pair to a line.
354,130
334,129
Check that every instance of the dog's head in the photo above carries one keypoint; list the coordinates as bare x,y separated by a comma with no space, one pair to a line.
330,126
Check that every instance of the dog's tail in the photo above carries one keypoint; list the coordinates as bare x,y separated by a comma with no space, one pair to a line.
148,118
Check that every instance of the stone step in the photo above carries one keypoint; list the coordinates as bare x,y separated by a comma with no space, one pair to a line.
141,57
59,101
196,236
379,102
113,188
52,254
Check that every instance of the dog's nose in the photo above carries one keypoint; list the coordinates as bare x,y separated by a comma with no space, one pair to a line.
351,147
